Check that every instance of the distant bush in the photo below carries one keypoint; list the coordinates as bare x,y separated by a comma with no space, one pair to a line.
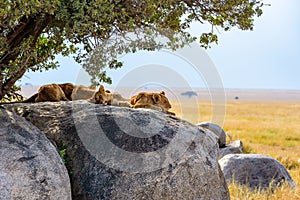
189,93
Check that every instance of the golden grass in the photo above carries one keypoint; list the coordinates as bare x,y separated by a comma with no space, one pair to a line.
238,192
271,128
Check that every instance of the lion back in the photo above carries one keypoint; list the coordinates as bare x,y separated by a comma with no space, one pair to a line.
67,89
142,98
51,92
81,93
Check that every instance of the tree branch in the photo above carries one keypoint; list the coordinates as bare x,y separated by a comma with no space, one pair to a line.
31,26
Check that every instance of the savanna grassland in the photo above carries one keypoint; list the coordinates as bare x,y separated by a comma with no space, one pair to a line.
265,127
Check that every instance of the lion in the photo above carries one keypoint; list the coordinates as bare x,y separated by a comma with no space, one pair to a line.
51,92
83,93
68,89
69,92
61,92
155,101
65,92
106,97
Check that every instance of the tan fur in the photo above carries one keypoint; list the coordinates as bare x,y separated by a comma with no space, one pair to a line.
103,96
149,98
68,89
82,92
118,100
51,92
64,92
155,101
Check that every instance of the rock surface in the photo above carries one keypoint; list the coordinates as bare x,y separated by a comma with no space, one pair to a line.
216,129
123,153
235,147
254,170
30,167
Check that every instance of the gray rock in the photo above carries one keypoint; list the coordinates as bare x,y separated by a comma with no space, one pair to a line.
123,153
30,167
255,170
234,147
216,129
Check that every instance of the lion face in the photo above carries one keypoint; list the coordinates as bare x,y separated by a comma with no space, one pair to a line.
161,100
103,96
145,98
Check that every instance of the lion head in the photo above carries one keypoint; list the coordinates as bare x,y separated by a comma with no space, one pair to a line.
103,96
145,98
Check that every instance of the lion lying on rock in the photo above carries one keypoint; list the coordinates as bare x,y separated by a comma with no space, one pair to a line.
66,92
52,92
155,101
60,92
103,96
69,92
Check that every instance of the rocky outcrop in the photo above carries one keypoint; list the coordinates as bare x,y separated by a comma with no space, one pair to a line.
217,130
123,153
254,170
30,167
235,147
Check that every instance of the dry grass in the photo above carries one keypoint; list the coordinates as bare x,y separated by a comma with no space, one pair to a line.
271,128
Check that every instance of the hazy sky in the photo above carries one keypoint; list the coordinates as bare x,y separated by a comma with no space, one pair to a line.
268,57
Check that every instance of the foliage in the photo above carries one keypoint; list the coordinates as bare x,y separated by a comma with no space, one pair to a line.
32,32
65,157
14,95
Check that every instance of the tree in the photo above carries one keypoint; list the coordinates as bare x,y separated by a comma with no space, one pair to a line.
33,32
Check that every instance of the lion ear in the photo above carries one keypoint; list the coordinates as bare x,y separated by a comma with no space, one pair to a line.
101,89
107,91
162,92
155,98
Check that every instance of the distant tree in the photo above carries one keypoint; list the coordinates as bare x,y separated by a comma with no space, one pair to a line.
33,32
189,94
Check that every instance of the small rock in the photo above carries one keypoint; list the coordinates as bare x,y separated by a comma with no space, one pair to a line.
235,147
216,129
254,170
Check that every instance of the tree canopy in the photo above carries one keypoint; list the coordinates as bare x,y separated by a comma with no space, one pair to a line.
33,32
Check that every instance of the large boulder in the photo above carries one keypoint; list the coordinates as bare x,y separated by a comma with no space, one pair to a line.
235,147
254,170
123,153
217,130
30,167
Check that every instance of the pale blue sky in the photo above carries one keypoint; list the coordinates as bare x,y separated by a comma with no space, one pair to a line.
266,58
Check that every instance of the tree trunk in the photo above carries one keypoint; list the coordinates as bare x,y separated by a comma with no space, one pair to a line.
32,26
